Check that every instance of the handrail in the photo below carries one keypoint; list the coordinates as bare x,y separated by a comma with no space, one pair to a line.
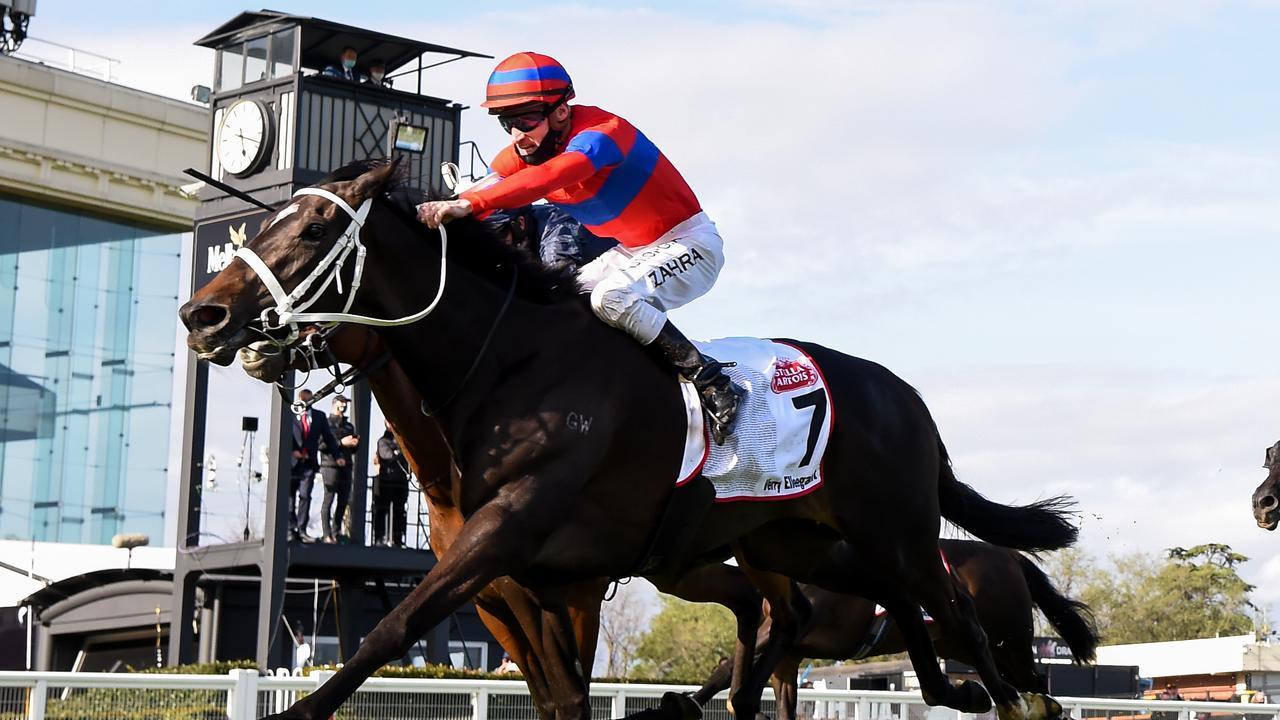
243,689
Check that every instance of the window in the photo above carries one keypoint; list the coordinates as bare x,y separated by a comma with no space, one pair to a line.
473,655
230,67
255,60
282,53
86,373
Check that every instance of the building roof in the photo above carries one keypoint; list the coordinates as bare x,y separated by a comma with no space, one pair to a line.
62,561
323,40
1206,656
67,587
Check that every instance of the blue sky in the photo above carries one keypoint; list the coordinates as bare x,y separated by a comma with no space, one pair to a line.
1057,219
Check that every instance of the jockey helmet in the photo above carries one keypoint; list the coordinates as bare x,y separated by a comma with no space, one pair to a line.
527,78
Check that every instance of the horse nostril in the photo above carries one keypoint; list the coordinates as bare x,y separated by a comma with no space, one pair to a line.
1267,502
204,316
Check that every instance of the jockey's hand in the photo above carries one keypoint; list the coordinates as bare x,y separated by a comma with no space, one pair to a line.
436,213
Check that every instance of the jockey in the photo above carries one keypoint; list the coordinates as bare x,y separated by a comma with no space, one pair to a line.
606,174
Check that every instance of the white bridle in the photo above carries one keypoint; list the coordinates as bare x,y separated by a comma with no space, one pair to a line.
290,307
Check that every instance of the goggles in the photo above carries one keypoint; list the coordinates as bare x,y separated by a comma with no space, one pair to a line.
525,122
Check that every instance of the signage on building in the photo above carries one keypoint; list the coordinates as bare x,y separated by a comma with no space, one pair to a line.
1050,648
217,241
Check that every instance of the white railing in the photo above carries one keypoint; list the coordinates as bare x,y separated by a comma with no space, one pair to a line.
66,57
244,695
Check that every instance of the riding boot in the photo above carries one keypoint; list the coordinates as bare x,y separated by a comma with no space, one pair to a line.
720,395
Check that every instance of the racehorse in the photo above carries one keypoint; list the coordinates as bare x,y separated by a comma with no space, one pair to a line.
1266,505
511,613
546,501
1006,587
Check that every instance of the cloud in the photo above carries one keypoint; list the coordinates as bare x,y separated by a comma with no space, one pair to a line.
1155,459
874,169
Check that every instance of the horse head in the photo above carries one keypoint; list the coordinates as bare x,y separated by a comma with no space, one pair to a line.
307,257
1266,499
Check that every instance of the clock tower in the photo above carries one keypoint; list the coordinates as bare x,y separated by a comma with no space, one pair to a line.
282,117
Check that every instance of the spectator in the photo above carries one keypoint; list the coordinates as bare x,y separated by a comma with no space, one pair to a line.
378,74
301,650
335,468
1170,692
507,666
390,492
346,67
309,428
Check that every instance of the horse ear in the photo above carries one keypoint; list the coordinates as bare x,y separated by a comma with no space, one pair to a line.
374,181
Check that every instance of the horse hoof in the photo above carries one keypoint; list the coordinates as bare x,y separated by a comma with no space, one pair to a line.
970,697
1031,706
1052,708
679,705
1038,706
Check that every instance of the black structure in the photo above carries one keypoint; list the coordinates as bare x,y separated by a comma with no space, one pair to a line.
277,124
106,620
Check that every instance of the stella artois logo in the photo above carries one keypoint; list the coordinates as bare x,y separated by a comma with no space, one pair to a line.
791,375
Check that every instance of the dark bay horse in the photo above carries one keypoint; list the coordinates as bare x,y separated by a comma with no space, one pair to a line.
511,353
508,610
1006,587
1266,499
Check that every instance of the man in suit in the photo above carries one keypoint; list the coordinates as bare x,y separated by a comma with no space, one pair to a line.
346,67
335,469
309,429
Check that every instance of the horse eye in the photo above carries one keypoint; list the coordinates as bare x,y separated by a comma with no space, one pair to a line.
314,231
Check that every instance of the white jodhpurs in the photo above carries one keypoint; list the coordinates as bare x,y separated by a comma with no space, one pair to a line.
632,288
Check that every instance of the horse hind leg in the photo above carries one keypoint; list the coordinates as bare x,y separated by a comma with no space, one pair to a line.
876,577
954,610
835,565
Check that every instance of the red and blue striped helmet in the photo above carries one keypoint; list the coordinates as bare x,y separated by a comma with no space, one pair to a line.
526,78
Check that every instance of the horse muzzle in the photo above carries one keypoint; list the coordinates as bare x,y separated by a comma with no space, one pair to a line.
1266,510
211,333
263,361
1267,520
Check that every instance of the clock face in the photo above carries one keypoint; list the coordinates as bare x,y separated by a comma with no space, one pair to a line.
243,137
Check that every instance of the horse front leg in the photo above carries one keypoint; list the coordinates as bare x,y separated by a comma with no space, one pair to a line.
512,632
560,657
787,610
493,542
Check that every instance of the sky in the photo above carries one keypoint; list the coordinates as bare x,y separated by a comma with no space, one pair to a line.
1057,219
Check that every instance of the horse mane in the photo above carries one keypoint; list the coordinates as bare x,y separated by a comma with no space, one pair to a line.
479,247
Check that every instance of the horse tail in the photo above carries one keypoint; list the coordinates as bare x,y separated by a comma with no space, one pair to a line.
1042,525
1071,618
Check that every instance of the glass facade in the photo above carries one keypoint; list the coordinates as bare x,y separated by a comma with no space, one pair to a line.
87,331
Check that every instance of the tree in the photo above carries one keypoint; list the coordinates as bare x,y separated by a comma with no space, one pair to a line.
685,641
622,622
1074,572
1190,593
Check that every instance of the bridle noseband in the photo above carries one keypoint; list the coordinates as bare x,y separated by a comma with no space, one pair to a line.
290,307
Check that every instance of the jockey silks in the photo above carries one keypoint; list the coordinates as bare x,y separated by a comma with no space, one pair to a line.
609,177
